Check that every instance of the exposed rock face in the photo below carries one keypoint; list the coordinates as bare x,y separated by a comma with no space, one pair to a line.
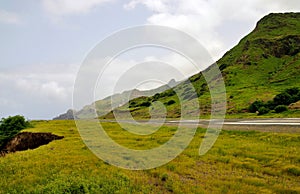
172,83
69,115
28,140
295,106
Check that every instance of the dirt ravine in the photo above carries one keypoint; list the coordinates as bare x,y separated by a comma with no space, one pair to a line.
28,140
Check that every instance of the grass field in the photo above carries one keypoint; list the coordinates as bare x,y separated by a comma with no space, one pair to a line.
239,162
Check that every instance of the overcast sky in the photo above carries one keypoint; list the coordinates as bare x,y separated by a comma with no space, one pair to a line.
43,43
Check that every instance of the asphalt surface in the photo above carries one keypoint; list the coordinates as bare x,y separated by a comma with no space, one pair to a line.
282,125
259,122
278,125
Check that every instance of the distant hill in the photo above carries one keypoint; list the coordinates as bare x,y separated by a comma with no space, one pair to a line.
263,64
104,106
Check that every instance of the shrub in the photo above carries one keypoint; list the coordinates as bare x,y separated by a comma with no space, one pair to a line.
146,104
223,66
296,97
263,110
156,96
166,93
283,99
280,108
270,105
255,106
11,126
279,102
171,102
292,91
132,104
287,97
170,92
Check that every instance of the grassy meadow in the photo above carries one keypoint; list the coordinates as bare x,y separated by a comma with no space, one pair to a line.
239,162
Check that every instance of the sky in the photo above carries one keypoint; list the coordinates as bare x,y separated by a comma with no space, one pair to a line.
43,43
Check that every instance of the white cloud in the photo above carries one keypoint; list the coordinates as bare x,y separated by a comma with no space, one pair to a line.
48,90
39,91
205,19
154,5
194,17
9,17
68,7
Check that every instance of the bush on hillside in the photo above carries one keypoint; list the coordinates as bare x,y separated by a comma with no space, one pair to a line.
283,99
146,104
155,97
295,97
292,91
280,108
132,104
263,110
270,105
169,92
170,102
279,102
287,97
255,106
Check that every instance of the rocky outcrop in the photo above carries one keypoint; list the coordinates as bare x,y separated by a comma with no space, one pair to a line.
69,115
295,106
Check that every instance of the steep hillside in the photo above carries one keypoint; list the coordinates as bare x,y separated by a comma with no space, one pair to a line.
263,64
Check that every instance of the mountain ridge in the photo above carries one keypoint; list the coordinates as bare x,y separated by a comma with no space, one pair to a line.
104,105
263,64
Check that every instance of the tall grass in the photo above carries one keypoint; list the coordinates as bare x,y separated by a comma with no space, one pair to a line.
240,161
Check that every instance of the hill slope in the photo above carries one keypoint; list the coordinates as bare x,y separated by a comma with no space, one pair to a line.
105,105
263,64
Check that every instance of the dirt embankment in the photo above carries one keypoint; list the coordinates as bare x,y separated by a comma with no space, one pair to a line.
28,140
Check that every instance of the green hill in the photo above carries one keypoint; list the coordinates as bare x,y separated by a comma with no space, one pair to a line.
264,63
105,105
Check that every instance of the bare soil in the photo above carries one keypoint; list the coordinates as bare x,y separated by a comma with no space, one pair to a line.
28,140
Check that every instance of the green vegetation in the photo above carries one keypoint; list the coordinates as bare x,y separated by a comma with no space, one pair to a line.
239,162
11,126
139,107
261,74
263,110
256,105
170,102
104,106
278,104
263,64
280,108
